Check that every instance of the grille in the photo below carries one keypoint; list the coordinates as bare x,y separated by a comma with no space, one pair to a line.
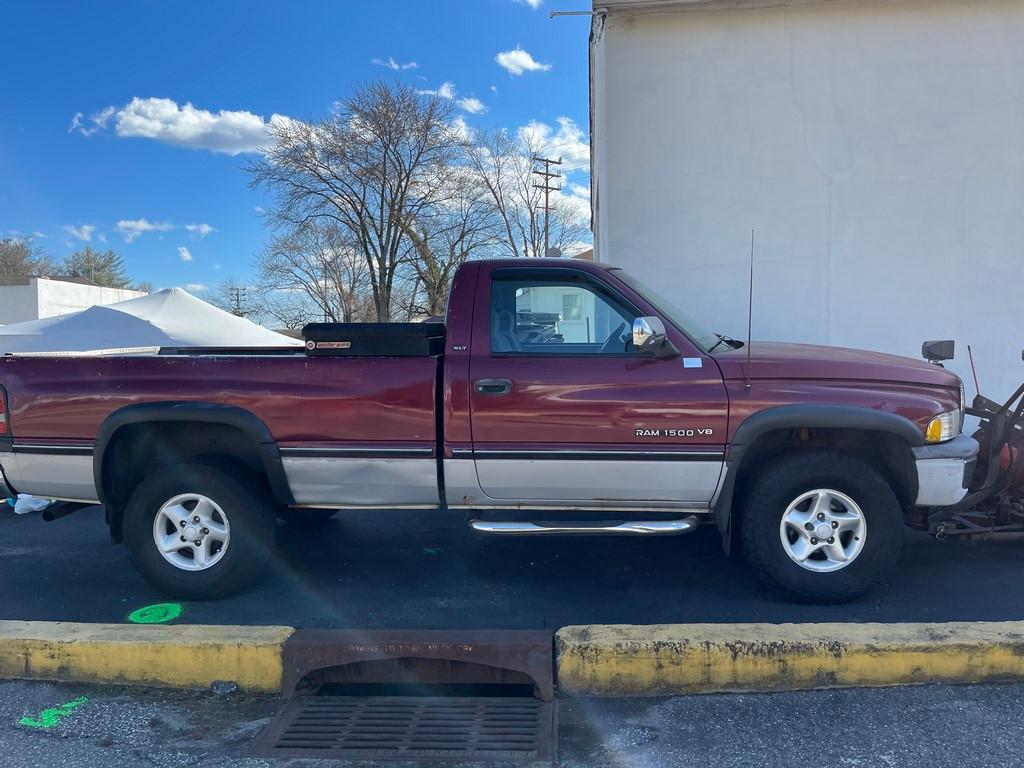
404,728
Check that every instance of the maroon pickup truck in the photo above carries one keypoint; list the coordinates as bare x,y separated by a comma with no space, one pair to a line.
558,397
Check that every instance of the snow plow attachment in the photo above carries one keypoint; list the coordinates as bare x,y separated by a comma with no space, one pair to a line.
994,505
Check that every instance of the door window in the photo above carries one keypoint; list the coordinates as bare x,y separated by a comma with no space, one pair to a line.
558,317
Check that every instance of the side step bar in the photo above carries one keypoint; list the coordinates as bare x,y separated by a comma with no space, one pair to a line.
631,528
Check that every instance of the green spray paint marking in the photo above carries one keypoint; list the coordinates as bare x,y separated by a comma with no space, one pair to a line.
48,718
156,614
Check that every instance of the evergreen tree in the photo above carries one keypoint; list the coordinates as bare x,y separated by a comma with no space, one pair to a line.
100,268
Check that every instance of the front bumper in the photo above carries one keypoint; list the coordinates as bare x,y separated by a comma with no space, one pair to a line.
944,470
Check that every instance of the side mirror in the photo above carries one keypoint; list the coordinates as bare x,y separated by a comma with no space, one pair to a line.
937,351
649,336
647,331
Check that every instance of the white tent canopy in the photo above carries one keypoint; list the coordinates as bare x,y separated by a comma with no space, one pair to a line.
168,318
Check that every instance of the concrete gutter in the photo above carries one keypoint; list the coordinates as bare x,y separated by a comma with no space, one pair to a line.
182,656
589,660
705,658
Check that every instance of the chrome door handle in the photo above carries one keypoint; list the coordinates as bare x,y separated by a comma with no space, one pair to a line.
493,386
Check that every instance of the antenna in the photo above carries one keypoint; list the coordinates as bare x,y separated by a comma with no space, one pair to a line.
974,373
750,306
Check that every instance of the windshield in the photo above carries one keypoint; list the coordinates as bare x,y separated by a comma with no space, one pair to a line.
704,338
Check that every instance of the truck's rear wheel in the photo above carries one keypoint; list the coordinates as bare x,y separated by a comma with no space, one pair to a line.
197,532
821,526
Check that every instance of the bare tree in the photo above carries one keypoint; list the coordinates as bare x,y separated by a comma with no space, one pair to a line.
315,271
371,167
22,258
504,162
458,227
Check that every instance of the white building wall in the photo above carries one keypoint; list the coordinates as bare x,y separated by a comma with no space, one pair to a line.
876,147
57,297
18,302
43,297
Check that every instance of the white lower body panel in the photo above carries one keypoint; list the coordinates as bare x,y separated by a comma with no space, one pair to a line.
358,482
582,485
51,476
599,480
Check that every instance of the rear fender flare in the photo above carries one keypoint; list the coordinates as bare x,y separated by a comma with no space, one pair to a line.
795,417
208,413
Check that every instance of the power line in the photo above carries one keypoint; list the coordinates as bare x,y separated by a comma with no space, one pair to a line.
547,175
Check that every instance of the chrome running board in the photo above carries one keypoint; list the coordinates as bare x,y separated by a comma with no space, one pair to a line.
632,528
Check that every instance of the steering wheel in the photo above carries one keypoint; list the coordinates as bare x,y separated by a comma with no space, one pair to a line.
615,342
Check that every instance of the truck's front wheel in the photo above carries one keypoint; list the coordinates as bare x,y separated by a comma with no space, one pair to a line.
197,532
821,526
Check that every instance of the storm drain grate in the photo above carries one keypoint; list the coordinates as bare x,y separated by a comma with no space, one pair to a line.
403,728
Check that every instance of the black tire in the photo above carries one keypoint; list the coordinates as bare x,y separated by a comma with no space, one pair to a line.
250,515
783,481
306,518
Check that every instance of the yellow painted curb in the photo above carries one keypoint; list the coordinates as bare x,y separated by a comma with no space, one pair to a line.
704,658
182,656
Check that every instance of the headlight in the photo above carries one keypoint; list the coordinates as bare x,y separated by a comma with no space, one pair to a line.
944,427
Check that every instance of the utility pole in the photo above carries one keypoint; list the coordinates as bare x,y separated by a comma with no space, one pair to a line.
237,296
547,175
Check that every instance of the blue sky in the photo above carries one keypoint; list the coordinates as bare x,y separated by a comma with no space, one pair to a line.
137,157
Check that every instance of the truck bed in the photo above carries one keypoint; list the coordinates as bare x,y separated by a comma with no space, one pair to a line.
322,412
304,401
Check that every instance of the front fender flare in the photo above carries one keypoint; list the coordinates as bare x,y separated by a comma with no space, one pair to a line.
795,417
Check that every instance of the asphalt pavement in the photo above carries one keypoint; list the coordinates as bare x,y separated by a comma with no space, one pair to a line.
404,569
932,726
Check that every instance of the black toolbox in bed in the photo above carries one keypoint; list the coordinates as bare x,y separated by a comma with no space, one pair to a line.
374,339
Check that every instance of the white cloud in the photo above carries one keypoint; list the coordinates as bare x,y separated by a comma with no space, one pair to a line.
535,4
200,229
580,190
88,126
568,142
130,229
101,237
472,104
227,131
184,253
517,61
196,287
17,234
446,91
461,128
494,89
390,63
577,205
83,233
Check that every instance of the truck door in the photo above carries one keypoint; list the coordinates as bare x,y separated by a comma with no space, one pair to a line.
563,408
